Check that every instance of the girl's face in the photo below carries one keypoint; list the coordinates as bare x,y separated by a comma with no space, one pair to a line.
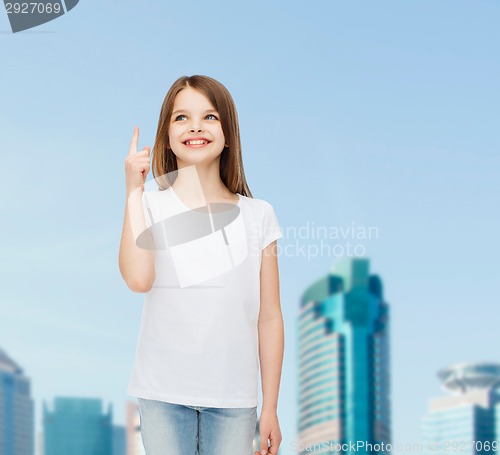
195,130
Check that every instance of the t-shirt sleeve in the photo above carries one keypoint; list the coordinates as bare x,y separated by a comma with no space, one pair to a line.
271,229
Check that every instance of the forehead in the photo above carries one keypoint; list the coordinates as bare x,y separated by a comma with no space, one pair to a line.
190,98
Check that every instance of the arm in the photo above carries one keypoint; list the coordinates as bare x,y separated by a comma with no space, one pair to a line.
136,264
271,347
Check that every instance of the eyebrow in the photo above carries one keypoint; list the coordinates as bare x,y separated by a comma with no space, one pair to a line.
185,110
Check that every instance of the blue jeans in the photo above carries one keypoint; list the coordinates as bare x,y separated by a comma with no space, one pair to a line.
174,429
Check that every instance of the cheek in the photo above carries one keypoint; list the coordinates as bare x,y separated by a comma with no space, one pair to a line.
221,134
172,139
174,133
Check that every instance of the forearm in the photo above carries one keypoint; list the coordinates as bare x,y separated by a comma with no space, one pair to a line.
136,262
271,350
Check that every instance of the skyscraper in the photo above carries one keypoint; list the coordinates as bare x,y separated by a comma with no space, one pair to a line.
465,422
16,409
119,440
77,427
343,349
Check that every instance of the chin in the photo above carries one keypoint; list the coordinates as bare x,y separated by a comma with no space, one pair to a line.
199,159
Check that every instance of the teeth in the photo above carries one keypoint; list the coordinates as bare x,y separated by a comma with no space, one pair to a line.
196,142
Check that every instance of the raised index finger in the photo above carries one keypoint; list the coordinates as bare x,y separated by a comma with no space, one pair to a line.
134,141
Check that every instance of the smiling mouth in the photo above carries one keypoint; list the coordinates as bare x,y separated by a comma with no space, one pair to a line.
199,142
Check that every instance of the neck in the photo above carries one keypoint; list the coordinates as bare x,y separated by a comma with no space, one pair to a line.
199,184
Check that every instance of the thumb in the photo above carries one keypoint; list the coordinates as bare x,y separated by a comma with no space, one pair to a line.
263,448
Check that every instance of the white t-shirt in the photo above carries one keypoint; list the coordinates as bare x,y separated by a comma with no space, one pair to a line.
198,338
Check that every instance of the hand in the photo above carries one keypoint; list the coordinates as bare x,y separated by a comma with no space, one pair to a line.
136,164
269,429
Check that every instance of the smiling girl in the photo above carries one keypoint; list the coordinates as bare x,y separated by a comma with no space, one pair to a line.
212,310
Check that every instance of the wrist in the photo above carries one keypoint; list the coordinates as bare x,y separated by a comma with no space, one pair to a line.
271,408
135,191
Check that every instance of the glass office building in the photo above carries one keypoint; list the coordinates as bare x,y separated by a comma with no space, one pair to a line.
16,409
77,427
119,440
343,357
466,422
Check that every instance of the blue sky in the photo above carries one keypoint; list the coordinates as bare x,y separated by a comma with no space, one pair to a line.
368,114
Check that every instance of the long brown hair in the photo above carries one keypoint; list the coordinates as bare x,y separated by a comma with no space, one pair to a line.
164,161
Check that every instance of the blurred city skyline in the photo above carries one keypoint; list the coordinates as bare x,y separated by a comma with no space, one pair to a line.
344,384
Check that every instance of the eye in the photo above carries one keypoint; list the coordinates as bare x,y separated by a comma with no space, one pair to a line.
212,115
180,115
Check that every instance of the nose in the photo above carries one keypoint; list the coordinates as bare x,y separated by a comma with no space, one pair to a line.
193,130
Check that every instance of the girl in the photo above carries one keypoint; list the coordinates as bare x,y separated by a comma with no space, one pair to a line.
211,282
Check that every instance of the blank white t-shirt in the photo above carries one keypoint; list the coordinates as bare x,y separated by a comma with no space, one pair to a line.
198,343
